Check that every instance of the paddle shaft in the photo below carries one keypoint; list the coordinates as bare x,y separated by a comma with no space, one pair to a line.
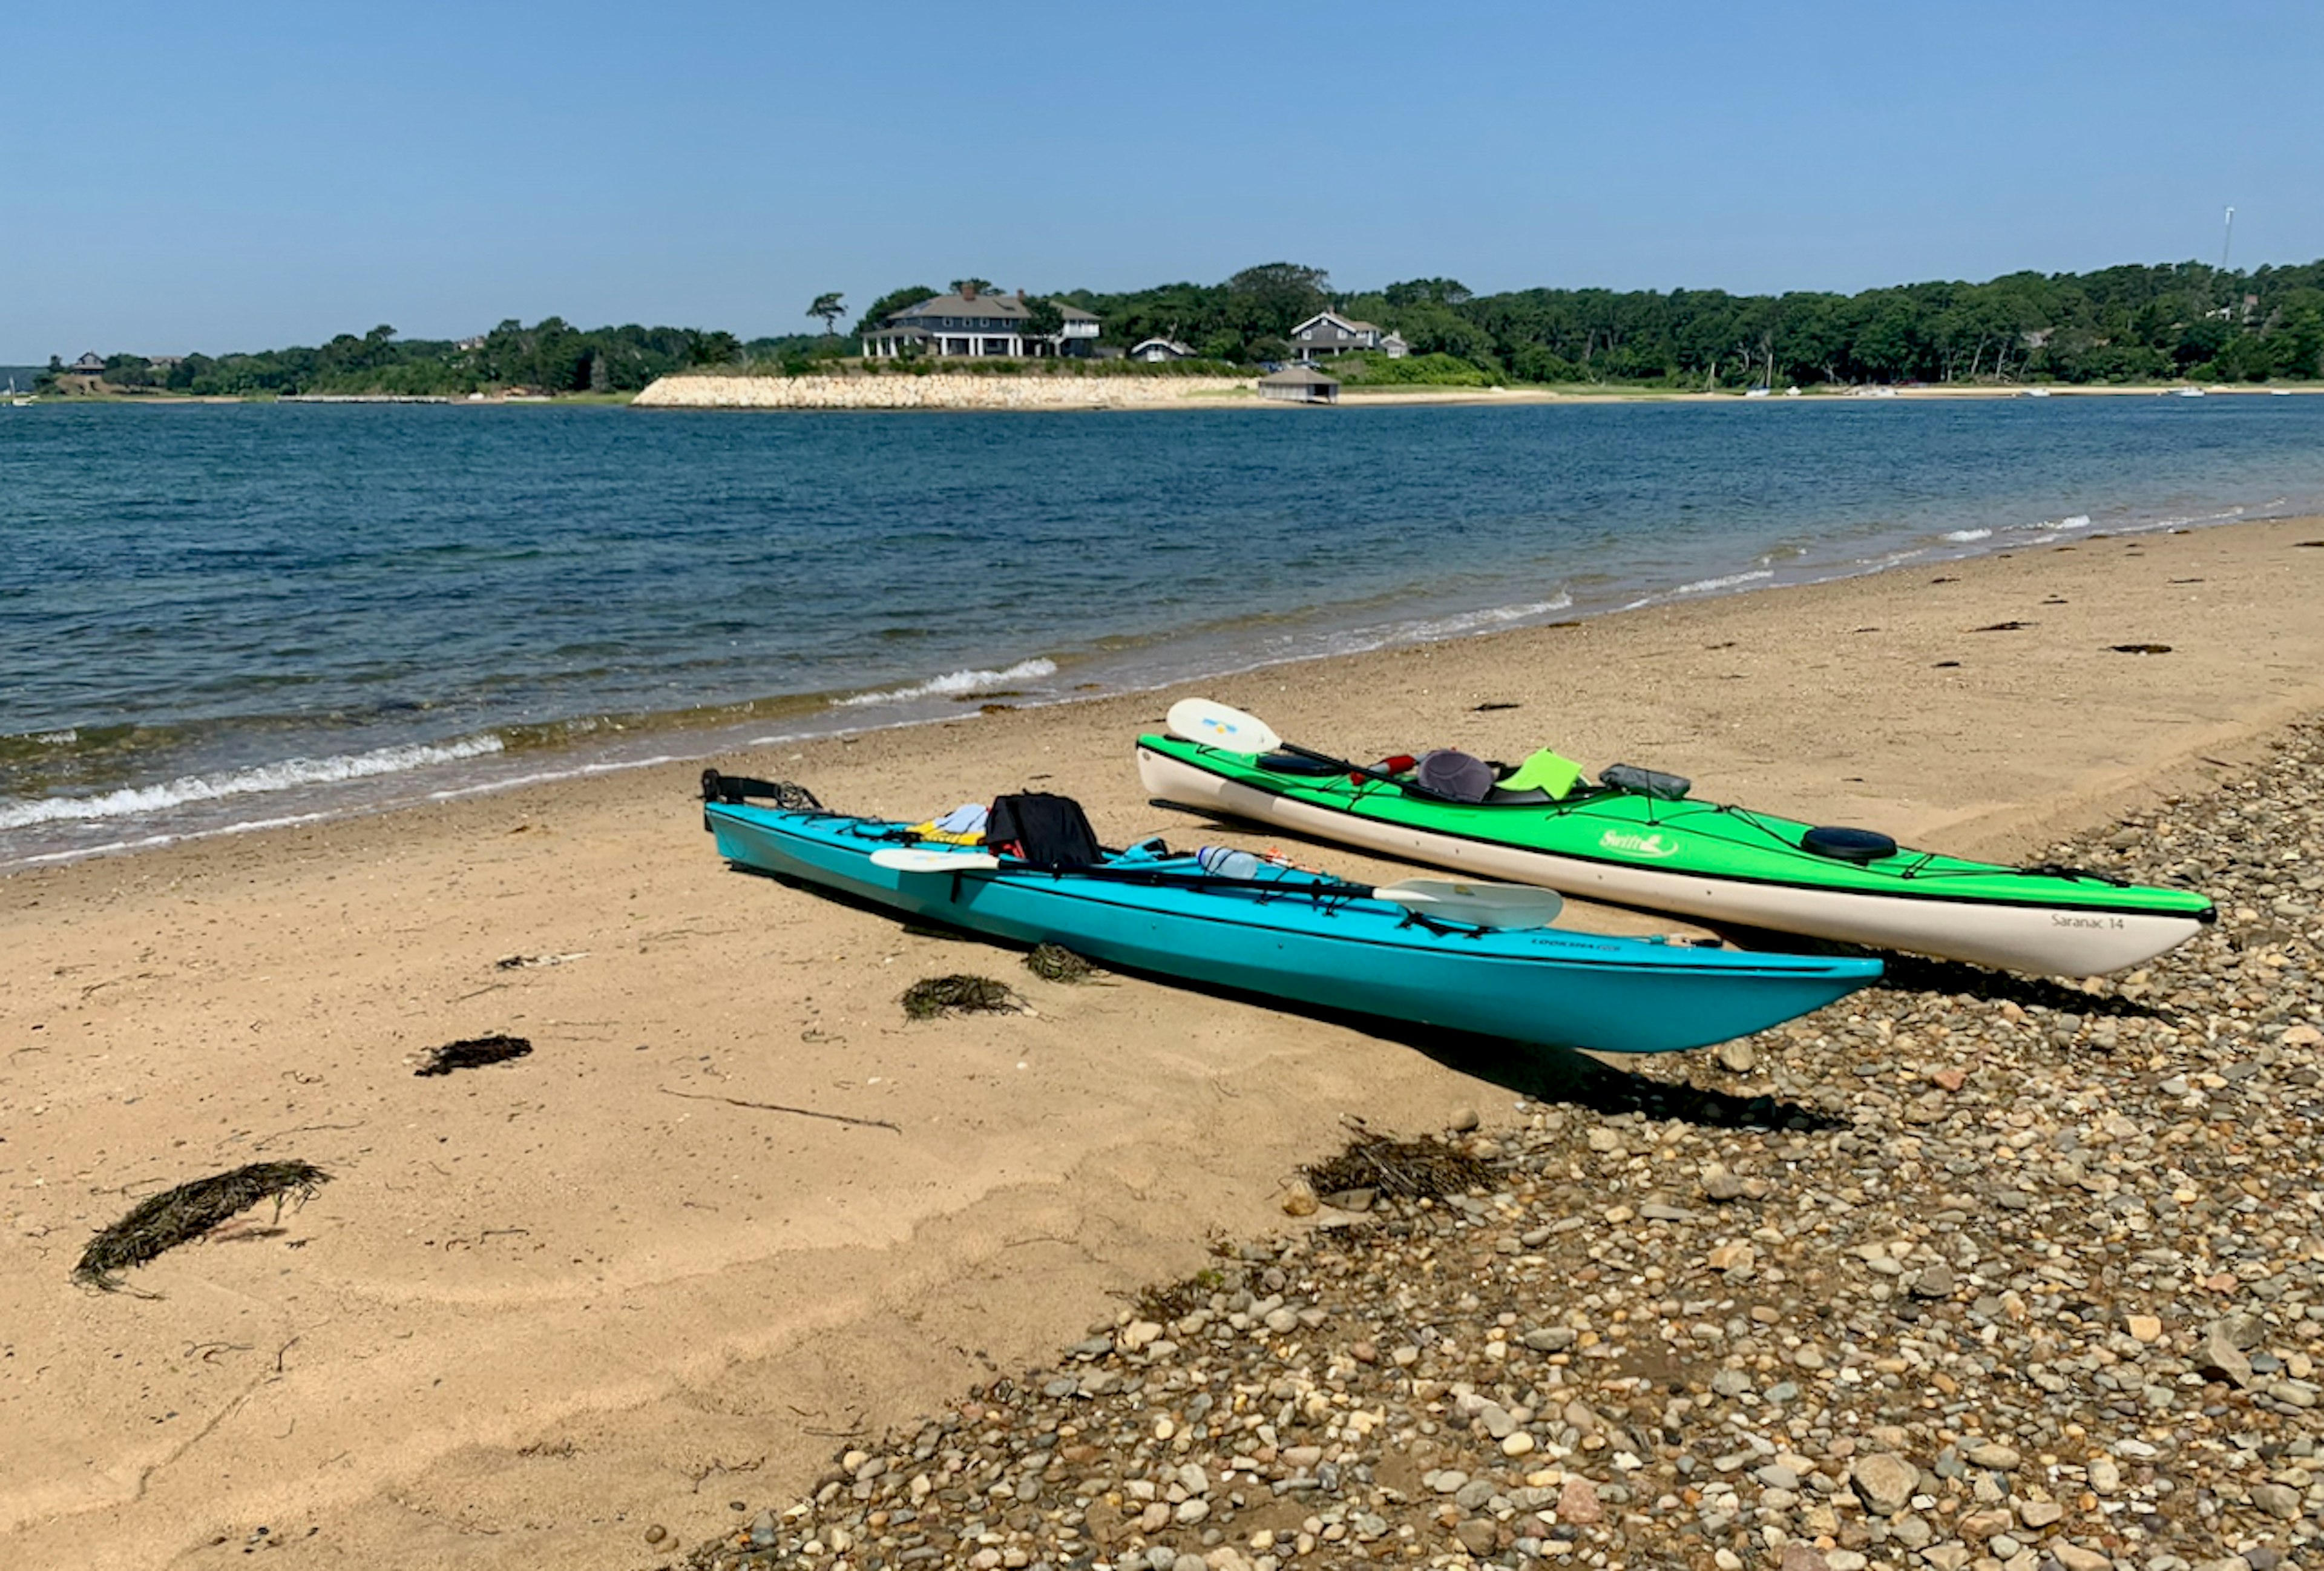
1179,880
1318,892
1370,770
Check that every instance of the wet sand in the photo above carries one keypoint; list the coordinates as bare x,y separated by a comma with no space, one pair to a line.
545,1303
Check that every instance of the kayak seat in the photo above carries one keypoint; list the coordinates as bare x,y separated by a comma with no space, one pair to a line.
1451,775
1044,829
1857,846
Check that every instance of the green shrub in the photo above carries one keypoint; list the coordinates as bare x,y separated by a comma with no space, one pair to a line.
1370,368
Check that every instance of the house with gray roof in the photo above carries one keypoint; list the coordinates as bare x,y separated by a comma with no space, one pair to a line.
973,323
1328,333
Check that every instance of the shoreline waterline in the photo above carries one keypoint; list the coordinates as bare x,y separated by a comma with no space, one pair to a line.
410,775
485,765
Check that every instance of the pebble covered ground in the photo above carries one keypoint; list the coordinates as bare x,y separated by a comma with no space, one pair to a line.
1968,1272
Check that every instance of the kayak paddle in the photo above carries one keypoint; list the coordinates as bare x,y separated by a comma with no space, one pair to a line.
924,859
1229,730
1481,905
1466,901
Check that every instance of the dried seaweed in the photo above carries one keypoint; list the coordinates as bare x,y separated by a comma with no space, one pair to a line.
170,1218
1177,1300
2140,648
1055,962
928,999
1423,1168
471,1051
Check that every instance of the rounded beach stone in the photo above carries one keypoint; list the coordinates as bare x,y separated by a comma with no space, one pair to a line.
1885,1482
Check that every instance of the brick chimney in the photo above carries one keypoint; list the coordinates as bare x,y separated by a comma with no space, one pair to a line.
968,292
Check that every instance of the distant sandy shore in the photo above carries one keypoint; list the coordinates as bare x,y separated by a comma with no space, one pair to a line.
1041,391
618,1281
961,391
944,391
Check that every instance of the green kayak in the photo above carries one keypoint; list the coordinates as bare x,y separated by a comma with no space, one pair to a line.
1650,846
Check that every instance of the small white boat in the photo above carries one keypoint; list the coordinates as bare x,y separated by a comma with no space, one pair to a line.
2191,392
2035,392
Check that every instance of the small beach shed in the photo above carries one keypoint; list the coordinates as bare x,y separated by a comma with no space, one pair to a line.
1299,384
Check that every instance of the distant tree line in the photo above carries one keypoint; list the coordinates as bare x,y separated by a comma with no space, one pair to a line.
549,356
2121,324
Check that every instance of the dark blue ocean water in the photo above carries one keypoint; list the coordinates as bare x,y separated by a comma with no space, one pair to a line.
216,615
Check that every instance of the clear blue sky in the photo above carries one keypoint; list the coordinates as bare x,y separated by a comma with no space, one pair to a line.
227,175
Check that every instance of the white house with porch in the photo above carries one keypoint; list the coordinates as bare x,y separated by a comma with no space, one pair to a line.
1329,333
973,323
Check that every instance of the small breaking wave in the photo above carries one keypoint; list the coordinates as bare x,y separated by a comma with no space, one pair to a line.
1429,630
957,684
1423,630
1964,536
2075,521
1732,581
287,775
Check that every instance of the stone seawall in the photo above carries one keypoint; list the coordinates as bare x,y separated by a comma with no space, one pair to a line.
938,391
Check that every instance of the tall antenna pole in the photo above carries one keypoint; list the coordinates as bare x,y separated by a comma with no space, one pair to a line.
2227,240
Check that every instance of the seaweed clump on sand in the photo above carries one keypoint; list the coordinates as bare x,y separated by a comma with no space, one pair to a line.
170,1218
1055,962
471,1051
1169,1302
928,999
1420,1169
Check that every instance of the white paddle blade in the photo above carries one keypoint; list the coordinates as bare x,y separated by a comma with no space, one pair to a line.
1216,726
925,859
1483,905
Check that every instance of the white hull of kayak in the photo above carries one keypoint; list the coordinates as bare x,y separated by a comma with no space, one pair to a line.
2042,940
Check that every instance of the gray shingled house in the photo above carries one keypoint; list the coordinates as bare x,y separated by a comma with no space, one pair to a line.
1328,333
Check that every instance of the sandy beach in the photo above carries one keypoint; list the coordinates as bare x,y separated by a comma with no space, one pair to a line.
964,390
543,1304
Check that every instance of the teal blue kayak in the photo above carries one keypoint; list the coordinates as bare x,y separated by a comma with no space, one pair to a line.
1304,937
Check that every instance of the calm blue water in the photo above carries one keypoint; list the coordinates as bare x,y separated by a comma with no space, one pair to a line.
218,615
